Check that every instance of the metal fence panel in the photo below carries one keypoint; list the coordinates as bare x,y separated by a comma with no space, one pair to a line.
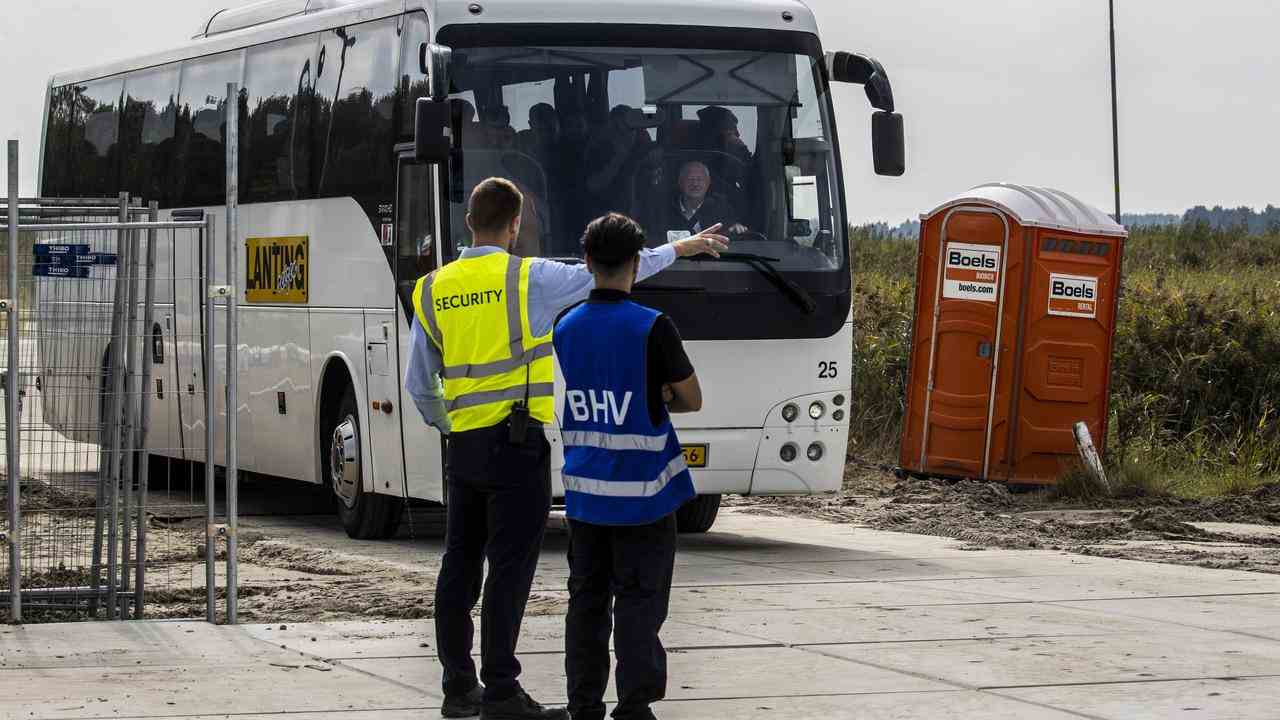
103,513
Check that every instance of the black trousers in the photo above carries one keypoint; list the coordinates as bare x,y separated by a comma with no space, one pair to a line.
632,567
499,496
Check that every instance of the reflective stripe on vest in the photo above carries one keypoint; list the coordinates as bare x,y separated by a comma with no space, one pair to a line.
609,441
486,349
614,488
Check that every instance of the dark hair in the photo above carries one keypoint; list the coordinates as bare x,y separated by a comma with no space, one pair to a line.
612,241
494,204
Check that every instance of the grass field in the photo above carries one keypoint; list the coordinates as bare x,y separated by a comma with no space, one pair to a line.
1196,378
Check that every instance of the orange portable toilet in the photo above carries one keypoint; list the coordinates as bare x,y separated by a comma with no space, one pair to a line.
1015,312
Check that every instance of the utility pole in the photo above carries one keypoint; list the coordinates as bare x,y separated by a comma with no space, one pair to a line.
1115,110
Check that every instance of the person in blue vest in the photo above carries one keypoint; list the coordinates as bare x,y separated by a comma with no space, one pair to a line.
625,370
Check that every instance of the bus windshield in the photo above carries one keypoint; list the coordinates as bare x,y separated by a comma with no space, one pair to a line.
678,138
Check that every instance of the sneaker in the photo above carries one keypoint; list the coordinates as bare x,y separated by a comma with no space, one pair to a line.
521,707
463,706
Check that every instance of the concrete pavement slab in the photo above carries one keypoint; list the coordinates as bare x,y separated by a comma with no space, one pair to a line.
107,644
953,705
1126,657
285,686
904,624
1189,699
823,594
1254,614
697,674
425,712
1121,581
416,638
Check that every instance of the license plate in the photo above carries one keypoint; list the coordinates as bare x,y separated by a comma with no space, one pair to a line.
695,456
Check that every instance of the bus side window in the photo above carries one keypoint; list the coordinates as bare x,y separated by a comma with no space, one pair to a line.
95,163
201,133
355,102
146,132
57,143
276,143
413,84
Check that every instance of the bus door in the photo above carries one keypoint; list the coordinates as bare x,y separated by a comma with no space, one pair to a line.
188,331
416,247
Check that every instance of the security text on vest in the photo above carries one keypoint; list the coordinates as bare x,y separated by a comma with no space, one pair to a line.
463,300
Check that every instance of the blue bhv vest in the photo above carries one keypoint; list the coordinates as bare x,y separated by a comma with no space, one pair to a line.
619,468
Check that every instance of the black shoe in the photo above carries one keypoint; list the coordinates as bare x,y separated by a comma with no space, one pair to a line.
463,706
521,707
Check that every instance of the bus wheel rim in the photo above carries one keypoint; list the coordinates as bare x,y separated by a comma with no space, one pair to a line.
344,461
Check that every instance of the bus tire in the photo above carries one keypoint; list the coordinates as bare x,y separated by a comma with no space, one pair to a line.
364,515
698,515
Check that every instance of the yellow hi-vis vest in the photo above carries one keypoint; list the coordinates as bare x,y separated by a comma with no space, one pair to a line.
476,310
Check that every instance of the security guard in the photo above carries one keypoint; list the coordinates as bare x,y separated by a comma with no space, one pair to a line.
624,476
483,326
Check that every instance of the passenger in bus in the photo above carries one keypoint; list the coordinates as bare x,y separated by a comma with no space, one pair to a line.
495,123
693,207
624,476
728,157
613,158
492,400
540,145
542,139
574,212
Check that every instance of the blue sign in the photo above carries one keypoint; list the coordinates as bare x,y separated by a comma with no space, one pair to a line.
60,271
67,260
42,251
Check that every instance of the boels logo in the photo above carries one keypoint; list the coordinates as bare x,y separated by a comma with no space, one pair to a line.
979,261
972,272
1073,296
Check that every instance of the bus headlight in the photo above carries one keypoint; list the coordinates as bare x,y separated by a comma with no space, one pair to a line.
817,410
838,400
788,452
814,452
838,415
790,412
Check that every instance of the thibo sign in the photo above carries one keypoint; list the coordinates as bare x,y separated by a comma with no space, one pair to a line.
1073,296
971,272
67,260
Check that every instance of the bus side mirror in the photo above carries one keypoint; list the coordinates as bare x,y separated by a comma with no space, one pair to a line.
888,145
433,131
433,61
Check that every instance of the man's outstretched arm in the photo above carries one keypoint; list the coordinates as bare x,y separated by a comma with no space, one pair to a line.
554,286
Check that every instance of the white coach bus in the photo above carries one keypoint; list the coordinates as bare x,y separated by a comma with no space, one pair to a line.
588,106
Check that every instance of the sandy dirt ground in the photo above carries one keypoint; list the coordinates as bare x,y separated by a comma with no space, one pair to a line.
296,565
293,567
1239,532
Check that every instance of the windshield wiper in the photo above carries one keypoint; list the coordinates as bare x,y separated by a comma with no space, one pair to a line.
764,266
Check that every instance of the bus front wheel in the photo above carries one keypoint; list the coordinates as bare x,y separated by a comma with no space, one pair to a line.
364,515
698,515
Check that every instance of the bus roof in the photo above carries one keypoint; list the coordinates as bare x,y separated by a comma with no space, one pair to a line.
270,20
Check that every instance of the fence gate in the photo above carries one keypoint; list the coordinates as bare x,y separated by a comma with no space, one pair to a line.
102,499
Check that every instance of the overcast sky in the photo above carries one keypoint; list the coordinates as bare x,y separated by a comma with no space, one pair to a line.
1013,90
